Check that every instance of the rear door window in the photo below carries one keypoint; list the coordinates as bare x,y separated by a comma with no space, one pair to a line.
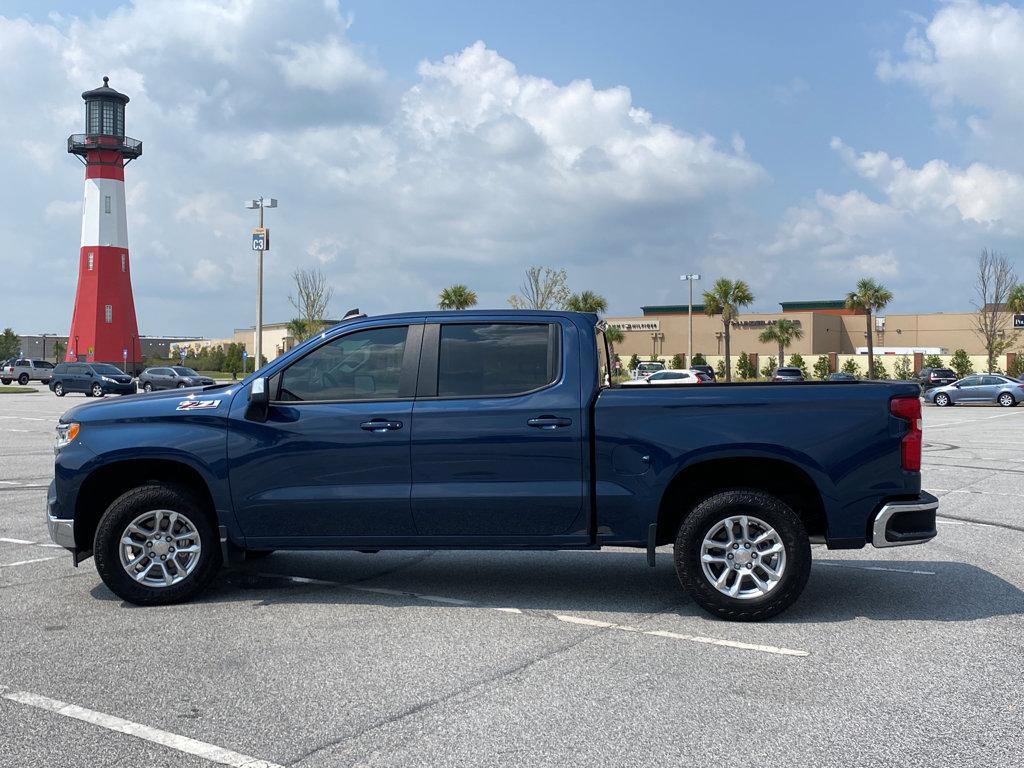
494,359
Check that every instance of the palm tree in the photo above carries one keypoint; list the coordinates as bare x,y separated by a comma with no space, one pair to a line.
587,301
726,298
783,332
869,296
457,297
298,329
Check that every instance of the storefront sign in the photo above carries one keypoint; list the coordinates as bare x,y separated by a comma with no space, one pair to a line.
636,325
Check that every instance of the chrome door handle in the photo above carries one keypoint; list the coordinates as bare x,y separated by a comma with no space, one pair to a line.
548,422
380,426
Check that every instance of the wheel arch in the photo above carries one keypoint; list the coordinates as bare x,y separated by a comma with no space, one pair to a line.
105,484
784,479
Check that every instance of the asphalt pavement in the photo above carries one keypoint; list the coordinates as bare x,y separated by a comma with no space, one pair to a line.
908,656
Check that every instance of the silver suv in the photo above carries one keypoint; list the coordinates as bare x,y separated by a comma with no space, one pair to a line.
22,370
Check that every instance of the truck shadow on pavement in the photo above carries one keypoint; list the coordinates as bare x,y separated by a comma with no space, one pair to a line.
608,582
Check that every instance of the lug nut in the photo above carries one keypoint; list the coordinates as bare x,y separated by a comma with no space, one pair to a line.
754,554
750,566
746,545
151,553
729,556
163,558
736,566
168,539
735,545
149,544
170,550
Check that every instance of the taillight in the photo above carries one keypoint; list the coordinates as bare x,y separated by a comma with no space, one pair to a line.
909,409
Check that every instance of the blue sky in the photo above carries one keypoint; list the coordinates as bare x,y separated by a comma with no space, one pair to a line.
799,146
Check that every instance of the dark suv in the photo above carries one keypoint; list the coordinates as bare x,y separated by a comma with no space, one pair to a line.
704,369
935,377
93,379
170,377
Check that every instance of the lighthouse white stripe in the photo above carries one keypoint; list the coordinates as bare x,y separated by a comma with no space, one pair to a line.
100,228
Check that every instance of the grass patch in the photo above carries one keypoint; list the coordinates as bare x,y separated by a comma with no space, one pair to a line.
17,389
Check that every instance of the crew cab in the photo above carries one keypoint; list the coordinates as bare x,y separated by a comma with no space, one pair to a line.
487,430
24,370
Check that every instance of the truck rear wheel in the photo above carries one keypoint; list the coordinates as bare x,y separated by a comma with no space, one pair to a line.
743,555
156,545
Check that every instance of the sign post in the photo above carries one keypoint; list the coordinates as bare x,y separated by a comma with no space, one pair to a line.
124,356
245,361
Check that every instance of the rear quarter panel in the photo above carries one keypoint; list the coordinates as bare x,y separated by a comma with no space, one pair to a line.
841,435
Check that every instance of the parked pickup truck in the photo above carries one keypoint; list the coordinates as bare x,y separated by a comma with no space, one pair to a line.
487,430
23,370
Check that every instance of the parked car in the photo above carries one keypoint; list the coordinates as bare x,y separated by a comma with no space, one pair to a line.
670,376
490,429
787,374
171,377
935,377
23,370
705,369
841,376
646,368
979,388
93,379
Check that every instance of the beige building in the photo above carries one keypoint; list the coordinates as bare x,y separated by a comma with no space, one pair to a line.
828,327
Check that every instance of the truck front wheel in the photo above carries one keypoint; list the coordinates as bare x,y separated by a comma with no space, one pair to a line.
743,554
156,545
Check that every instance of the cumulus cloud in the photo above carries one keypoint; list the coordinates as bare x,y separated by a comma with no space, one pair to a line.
470,173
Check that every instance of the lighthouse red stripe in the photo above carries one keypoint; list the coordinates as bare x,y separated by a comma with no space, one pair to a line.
104,171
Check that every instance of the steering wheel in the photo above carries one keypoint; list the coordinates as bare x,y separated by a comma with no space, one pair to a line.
355,361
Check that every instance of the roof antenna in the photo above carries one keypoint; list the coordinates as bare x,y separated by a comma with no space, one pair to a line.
353,313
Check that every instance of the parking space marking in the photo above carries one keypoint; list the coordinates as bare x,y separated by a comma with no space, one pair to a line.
13,541
567,618
966,421
30,560
872,568
182,744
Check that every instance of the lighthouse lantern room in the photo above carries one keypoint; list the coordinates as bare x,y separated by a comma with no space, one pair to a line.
103,324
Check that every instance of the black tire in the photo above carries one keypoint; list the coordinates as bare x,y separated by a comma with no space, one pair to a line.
148,387
96,390
1006,399
182,385
124,509
5,381
23,379
58,390
942,400
773,511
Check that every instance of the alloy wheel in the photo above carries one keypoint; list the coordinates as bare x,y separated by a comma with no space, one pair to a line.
160,548
743,557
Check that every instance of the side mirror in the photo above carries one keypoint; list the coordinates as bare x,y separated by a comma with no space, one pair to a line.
259,400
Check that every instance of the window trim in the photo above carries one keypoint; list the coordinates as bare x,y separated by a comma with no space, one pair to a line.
431,357
406,377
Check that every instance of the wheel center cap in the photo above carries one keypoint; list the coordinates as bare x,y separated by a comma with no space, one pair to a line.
160,547
742,556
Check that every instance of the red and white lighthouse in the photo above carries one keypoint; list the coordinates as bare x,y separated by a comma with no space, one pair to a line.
103,325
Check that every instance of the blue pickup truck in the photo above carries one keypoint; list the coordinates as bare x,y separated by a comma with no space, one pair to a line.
487,430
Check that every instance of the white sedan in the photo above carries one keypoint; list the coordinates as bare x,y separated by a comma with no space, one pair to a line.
669,377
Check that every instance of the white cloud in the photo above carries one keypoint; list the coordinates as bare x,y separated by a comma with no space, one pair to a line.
58,209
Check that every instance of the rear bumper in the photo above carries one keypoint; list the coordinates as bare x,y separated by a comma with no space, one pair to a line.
905,522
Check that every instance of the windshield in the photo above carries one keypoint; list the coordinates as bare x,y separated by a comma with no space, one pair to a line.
105,368
184,371
944,372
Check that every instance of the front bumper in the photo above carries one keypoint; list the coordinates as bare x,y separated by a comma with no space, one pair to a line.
909,522
62,530
120,389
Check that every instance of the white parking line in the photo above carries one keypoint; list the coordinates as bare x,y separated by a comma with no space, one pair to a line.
177,742
568,618
872,568
13,541
30,560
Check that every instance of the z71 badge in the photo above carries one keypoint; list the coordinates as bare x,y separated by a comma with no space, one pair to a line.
194,405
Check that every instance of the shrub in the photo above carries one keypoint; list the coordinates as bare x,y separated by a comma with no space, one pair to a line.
797,360
769,367
851,366
822,368
932,361
903,370
677,361
1016,369
880,371
720,369
745,368
961,364
634,361
699,359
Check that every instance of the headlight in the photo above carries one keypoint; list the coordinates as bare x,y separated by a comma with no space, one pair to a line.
66,433
109,379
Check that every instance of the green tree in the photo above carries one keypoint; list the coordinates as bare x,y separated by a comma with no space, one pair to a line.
614,335
10,344
720,369
457,297
961,364
903,369
677,361
58,351
880,371
587,301
544,289
699,359
727,298
822,368
298,329
871,297
1016,369
933,361
1015,300
745,368
797,361
769,367
634,362
782,332
851,366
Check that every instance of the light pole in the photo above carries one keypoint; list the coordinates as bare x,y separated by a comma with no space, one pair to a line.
689,278
260,243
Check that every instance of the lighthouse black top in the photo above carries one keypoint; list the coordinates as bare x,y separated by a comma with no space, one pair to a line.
104,125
